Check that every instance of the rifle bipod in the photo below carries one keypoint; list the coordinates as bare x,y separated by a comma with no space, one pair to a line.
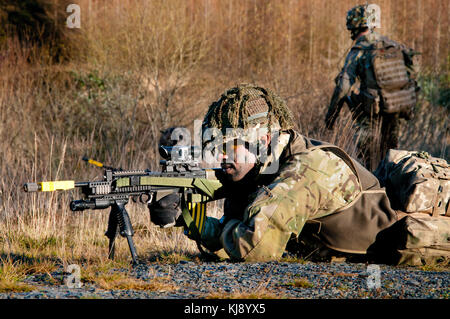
119,223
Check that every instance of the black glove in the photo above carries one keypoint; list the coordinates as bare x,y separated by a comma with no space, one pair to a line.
166,211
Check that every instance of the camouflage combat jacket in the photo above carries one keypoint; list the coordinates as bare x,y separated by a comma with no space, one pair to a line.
316,182
358,68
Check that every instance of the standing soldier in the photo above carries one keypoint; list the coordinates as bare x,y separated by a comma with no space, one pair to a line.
387,90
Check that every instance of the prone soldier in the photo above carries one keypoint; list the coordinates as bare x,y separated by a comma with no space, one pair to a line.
281,189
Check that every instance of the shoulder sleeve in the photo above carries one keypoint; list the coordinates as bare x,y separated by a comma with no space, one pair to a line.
349,72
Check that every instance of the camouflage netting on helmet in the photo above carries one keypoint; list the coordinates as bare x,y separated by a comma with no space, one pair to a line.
357,17
246,106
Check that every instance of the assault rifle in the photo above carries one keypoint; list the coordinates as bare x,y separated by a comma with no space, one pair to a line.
181,174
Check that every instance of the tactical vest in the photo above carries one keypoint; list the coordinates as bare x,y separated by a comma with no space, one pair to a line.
352,228
386,86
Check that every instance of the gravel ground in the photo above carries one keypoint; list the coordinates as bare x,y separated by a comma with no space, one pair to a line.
197,280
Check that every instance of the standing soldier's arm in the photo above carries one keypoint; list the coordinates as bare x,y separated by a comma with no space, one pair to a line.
344,82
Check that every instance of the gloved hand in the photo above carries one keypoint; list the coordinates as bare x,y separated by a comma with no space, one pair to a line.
166,211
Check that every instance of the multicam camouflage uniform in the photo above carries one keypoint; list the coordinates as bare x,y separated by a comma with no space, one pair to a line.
316,183
377,131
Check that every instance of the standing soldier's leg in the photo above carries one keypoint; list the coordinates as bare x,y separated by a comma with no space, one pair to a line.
390,131
364,141
369,142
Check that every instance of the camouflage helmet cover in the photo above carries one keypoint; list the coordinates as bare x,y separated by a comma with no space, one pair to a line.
246,108
357,17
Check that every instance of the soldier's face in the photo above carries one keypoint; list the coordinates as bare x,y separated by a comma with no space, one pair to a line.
236,160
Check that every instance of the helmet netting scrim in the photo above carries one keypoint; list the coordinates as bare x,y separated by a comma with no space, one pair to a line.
246,106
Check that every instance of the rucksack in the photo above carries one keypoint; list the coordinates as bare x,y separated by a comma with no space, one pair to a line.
418,185
416,239
416,182
397,90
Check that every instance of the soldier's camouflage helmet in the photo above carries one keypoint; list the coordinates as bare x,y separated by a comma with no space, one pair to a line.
357,17
244,109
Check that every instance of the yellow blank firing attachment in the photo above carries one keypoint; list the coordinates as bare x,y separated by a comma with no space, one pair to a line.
49,186
57,186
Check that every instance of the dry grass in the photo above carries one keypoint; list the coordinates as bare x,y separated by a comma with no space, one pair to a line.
13,272
141,66
259,292
301,283
7,286
103,277
119,281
